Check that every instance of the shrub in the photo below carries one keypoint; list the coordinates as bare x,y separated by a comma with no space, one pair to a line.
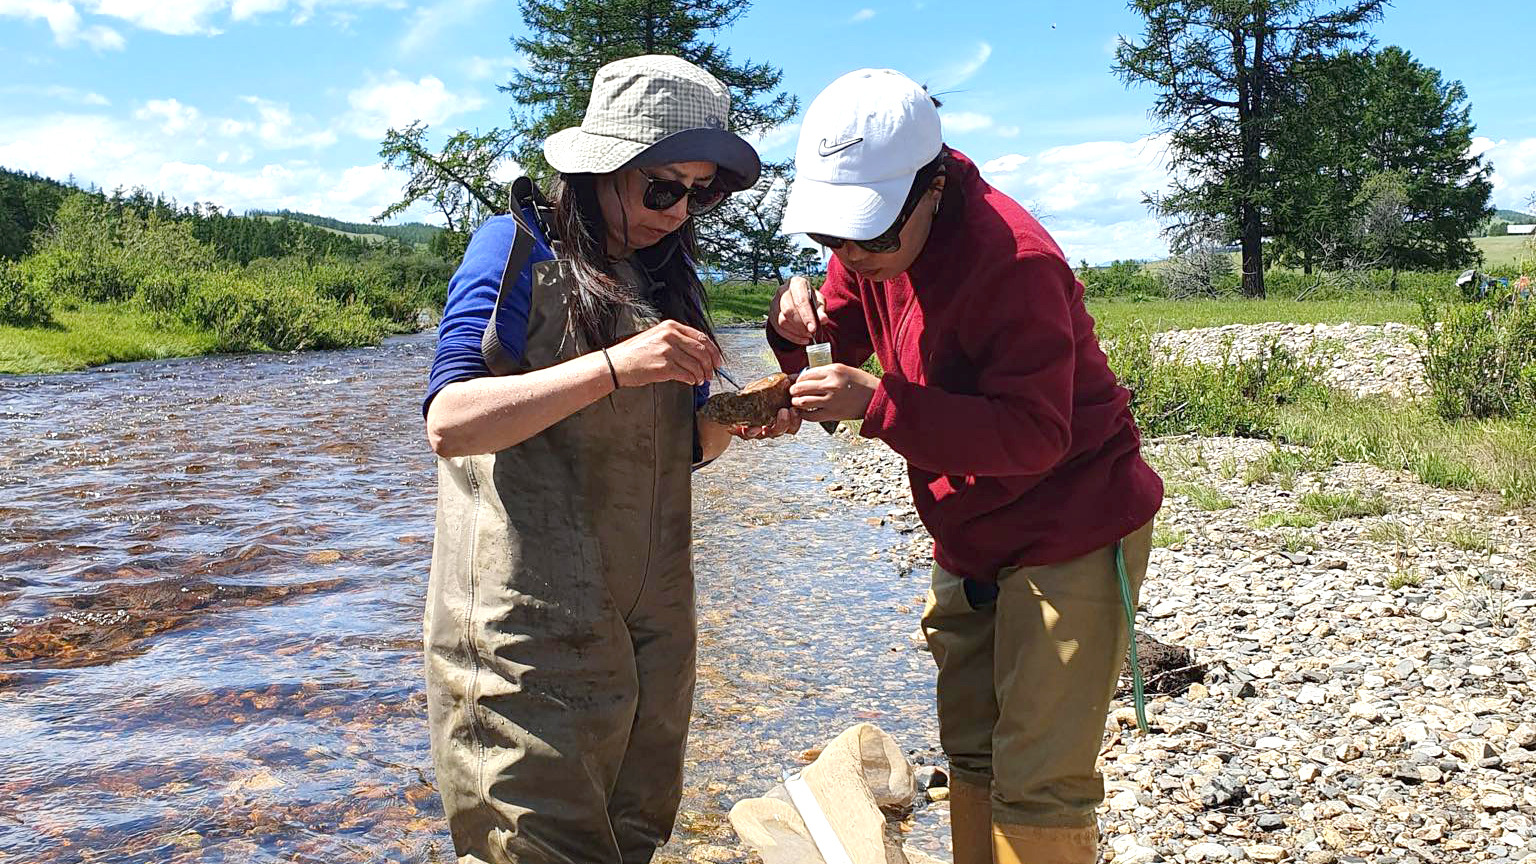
165,291
1205,270
1234,397
99,253
23,302
1120,279
1480,357
249,312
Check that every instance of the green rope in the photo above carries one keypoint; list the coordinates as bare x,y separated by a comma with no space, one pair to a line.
1138,687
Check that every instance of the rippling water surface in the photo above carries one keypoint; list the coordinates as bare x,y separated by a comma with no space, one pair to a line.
212,574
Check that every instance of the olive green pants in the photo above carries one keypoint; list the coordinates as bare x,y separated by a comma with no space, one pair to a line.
1025,681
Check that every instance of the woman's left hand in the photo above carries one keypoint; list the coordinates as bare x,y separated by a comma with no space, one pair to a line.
787,423
833,392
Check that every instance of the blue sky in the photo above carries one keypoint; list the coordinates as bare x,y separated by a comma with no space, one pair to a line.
282,103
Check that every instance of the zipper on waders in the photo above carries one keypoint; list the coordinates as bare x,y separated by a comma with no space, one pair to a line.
650,534
469,636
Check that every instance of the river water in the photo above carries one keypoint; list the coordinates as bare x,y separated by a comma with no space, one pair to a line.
212,574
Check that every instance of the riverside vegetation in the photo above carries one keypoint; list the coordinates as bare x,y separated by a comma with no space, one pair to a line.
87,278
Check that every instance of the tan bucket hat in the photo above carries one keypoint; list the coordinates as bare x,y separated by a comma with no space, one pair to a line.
651,110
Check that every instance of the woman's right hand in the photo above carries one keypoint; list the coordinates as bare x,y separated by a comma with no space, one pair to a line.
667,352
793,313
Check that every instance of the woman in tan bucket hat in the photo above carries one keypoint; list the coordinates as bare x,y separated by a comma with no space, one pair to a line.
572,357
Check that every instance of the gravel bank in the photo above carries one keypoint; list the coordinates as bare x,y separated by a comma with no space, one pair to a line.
1368,638
1365,360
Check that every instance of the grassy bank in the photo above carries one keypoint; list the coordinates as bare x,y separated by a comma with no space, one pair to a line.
1280,397
739,302
95,334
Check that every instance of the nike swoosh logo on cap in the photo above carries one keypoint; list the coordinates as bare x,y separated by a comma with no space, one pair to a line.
828,149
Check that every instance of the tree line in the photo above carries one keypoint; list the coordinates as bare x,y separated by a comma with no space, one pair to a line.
412,233
1290,134
29,204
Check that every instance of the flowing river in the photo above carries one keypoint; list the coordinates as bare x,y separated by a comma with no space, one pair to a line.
212,574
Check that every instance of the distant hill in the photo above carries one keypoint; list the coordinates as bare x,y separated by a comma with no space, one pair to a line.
415,233
1514,217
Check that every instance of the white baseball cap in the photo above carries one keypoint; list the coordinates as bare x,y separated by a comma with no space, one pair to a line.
861,144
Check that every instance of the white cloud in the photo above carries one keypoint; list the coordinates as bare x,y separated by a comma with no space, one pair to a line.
172,116
174,17
1090,194
965,121
780,139
1514,170
102,38
489,68
861,16
241,10
57,93
277,127
958,74
396,102
429,22
64,22
112,153
1004,164
1008,131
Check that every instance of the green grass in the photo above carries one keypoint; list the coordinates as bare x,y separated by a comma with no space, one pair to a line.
1471,540
1404,579
739,302
1510,249
1205,497
1114,315
95,334
1287,520
1388,532
1480,456
1163,537
1294,542
1334,506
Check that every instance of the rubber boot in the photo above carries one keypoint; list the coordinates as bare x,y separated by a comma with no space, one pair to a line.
1028,844
970,821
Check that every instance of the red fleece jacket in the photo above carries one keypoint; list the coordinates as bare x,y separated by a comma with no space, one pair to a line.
1019,443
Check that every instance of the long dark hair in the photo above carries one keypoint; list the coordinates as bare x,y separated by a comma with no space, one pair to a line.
601,297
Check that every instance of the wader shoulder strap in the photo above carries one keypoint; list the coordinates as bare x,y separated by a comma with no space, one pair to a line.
497,358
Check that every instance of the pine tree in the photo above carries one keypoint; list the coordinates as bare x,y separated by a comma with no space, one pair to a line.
570,39
1223,70
1370,134
743,240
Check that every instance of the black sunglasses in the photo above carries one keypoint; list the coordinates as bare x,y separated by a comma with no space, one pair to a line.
663,194
889,240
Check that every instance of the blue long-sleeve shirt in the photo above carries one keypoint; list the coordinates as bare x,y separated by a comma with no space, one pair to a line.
472,297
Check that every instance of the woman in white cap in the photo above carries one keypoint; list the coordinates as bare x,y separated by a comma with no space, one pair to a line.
573,354
1024,460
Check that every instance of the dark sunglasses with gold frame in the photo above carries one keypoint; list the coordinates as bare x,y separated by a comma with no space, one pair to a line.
663,194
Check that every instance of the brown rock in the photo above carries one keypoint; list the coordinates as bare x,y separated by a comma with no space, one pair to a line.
756,404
